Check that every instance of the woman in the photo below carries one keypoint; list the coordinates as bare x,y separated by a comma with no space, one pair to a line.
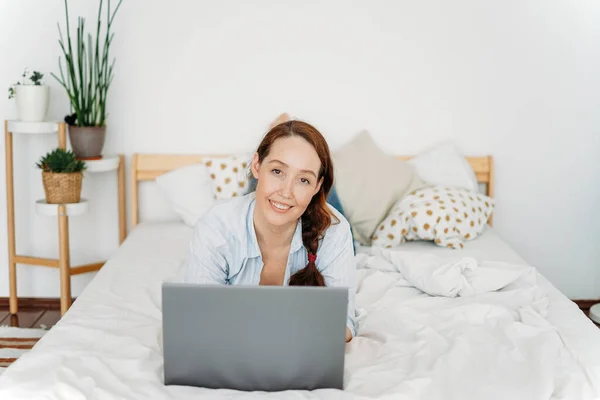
284,232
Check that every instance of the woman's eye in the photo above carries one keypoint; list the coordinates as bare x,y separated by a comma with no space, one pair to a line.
276,171
305,181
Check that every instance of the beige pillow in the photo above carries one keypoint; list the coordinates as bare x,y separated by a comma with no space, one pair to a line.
369,182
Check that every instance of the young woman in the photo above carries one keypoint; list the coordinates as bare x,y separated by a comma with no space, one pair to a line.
284,233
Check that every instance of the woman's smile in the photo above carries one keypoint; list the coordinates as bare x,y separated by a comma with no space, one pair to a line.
279,207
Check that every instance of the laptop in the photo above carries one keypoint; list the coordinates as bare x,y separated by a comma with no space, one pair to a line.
254,338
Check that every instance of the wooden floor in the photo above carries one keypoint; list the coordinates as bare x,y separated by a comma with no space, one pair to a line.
30,318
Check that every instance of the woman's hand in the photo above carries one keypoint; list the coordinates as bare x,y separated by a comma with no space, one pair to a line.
348,335
280,120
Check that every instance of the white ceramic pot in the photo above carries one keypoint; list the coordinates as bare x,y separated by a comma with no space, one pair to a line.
32,102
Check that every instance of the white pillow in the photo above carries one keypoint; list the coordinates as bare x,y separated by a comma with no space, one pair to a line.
189,190
443,165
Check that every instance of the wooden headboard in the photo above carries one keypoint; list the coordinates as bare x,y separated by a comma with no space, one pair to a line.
146,167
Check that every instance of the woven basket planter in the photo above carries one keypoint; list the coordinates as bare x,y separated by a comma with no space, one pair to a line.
62,188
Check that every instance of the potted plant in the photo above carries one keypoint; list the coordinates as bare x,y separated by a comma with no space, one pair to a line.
86,78
31,95
62,174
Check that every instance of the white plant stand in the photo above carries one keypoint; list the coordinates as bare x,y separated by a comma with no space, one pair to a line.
61,211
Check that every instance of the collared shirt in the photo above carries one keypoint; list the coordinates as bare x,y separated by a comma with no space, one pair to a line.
224,250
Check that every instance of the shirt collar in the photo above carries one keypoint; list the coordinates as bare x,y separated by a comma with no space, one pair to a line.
253,250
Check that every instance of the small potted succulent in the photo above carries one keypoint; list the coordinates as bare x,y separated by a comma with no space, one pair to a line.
31,95
62,174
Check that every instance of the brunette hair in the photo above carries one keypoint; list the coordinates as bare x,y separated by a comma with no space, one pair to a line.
317,216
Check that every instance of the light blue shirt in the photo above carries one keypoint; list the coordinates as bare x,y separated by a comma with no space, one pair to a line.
224,250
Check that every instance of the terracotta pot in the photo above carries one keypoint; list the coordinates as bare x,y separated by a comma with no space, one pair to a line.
87,141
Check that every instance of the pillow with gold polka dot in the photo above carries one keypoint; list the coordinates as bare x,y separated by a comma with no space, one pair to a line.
230,175
447,216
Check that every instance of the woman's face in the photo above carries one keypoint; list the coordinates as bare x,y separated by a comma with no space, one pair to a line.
288,178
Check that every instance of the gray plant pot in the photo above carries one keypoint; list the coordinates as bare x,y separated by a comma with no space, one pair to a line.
87,141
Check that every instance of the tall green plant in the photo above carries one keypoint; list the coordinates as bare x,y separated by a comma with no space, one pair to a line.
88,73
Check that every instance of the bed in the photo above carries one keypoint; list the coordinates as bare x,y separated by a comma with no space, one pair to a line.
518,339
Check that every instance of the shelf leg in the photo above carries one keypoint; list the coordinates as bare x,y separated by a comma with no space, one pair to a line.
64,262
62,135
121,193
10,211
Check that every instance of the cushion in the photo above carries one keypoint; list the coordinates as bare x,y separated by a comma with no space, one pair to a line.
230,175
368,182
447,216
189,190
443,165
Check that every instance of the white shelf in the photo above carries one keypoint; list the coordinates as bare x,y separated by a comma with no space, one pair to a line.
107,163
51,210
32,128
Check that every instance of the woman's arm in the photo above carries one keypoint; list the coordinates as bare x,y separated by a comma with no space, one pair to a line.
204,263
335,260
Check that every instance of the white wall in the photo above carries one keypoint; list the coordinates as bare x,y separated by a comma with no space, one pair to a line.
517,79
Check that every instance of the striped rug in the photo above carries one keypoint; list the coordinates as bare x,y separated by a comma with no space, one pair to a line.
15,342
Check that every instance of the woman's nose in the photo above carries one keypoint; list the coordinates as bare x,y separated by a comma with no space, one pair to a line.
286,188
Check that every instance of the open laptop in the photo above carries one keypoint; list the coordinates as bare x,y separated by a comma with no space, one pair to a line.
266,338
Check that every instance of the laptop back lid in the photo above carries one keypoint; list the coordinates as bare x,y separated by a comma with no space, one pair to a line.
266,338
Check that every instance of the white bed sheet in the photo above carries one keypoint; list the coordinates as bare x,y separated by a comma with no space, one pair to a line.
489,246
108,345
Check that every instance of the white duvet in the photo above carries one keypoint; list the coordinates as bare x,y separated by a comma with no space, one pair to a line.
429,328
434,329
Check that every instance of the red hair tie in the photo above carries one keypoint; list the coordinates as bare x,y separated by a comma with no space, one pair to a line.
312,257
